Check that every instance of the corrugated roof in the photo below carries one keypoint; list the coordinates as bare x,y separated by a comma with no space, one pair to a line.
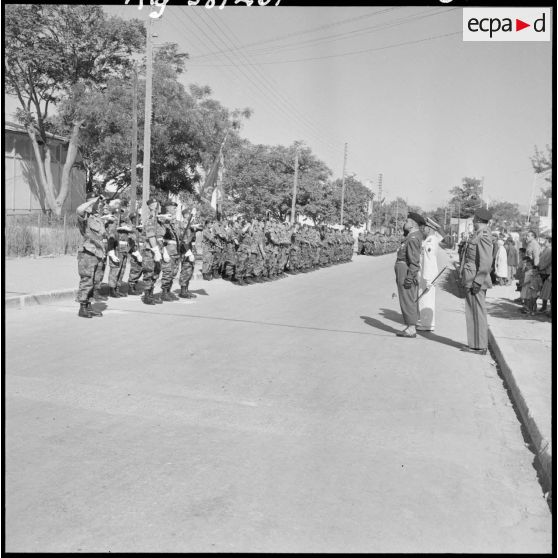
13,127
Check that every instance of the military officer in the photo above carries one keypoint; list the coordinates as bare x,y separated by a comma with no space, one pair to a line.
475,279
407,266
153,233
136,259
170,254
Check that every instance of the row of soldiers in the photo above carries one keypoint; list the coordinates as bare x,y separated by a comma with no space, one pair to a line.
165,247
376,244
260,251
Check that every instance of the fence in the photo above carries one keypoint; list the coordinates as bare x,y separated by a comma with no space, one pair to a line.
39,234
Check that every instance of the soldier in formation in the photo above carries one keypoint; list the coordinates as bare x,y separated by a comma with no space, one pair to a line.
376,244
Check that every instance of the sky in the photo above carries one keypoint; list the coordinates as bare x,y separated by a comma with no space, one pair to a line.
397,84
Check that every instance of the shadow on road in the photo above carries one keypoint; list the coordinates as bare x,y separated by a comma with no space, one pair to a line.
200,292
372,322
502,308
396,317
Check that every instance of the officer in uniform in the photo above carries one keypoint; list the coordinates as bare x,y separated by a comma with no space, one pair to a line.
91,255
475,279
407,266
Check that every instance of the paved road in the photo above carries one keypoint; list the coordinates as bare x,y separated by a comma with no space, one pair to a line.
278,417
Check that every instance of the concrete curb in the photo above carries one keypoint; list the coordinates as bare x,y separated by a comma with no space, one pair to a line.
38,298
542,446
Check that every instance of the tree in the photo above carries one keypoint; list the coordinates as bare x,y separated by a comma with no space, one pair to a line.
466,198
62,52
506,215
355,205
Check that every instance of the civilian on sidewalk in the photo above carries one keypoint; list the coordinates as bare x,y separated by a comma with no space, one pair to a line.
533,248
513,258
545,269
501,264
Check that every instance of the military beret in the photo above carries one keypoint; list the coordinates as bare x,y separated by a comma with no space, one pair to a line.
170,202
483,214
418,219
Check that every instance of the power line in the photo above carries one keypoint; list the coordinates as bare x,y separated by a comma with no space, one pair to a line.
342,54
248,77
304,32
348,34
275,89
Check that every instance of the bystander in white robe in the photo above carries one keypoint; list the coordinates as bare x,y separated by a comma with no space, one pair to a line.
501,262
428,271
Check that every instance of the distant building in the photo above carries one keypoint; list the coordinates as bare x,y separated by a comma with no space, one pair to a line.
23,192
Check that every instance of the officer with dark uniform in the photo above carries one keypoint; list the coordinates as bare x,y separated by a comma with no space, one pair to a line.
407,266
475,279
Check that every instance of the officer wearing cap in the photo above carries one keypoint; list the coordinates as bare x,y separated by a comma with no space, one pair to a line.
428,271
187,251
91,255
475,279
407,267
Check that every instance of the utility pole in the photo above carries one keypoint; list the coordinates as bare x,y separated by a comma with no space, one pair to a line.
396,213
445,216
147,121
343,184
295,184
134,170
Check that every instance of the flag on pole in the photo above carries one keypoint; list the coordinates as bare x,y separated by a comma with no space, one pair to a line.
217,195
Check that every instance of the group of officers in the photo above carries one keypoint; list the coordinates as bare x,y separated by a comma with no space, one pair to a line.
474,277
376,244
164,247
260,251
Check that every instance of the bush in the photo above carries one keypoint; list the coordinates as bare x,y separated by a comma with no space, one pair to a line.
41,235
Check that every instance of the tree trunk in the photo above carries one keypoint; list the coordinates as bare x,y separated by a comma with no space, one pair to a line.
42,158
69,163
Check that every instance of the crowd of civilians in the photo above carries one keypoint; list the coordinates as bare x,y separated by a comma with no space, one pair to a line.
528,261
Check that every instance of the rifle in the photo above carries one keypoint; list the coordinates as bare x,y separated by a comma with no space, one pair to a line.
431,283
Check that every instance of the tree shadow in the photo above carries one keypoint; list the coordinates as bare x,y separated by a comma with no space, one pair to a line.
503,308
30,173
449,283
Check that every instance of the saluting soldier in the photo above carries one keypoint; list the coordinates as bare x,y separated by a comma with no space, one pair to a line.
92,253
475,278
407,266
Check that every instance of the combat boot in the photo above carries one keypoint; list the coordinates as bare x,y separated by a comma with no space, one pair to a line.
98,296
121,293
83,312
132,289
156,297
183,291
216,274
113,293
93,313
189,294
148,297
166,296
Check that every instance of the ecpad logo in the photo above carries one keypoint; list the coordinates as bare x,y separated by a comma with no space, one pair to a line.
506,24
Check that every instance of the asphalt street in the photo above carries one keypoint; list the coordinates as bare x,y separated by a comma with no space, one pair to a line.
277,417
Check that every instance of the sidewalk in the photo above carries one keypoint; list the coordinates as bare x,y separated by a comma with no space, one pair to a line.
522,345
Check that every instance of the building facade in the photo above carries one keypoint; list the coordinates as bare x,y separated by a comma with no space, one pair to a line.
23,192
